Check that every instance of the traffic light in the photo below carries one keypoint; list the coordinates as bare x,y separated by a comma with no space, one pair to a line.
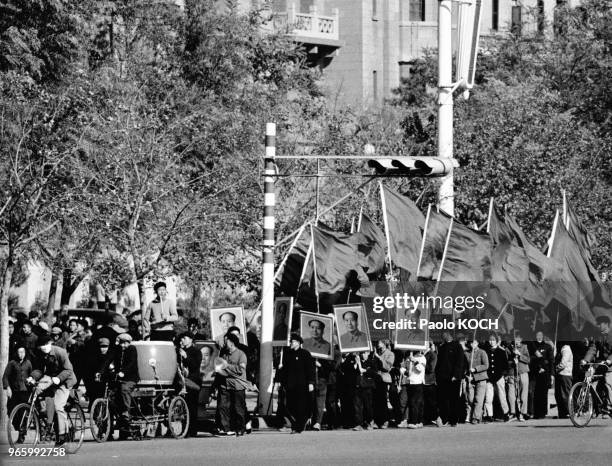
414,166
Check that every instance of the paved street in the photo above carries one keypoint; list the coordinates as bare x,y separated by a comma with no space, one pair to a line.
535,442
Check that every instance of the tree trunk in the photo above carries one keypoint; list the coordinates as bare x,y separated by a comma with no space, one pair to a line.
4,340
52,295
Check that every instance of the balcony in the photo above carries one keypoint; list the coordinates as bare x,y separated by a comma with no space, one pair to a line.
310,29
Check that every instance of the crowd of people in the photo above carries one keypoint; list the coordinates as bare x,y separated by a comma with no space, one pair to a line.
460,380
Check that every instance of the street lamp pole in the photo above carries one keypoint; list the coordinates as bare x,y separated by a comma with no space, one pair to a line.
445,102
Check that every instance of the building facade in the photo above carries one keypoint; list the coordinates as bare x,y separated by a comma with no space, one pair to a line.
365,47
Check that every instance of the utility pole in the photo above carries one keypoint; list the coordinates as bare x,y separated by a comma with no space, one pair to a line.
267,307
445,102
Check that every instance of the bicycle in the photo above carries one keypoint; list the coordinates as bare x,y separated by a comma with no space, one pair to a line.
584,399
28,425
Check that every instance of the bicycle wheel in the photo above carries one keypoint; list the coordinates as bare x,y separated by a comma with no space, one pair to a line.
178,417
76,427
580,404
23,428
100,420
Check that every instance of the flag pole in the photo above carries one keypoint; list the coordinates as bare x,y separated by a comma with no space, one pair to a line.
386,223
489,217
551,241
314,262
423,241
450,229
565,217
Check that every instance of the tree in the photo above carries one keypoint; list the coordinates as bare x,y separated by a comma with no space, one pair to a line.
32,194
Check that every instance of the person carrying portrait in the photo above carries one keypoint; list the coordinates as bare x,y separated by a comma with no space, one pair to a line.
297,375
360,375
332,410
190,362
231,386
449,373
477,381
160,315
383,360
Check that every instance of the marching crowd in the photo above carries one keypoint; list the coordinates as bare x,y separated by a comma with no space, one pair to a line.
460,380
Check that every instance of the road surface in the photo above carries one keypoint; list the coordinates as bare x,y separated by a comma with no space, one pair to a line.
542,442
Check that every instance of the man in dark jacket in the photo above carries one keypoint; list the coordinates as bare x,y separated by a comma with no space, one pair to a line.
298,379
540,374
191,359
496,385
55,377
449,372
125,362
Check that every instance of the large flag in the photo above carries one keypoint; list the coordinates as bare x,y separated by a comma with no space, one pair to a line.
370,245
576,289
509,262
434,240
544,272
335,257
405,223
288,280
602,302
467,257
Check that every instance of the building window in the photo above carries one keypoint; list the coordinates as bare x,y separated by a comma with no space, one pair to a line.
416,10
516,20
375,85
374,10
495,16
405,69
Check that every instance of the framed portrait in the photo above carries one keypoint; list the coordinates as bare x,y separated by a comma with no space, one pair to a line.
415,338
210,352
316,330
353,329
222,318
283,313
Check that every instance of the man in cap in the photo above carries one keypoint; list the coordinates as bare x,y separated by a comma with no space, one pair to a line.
30,339
600,350
55,377
353,337
58,337
298,379
125,362
160,315
94,384
191,359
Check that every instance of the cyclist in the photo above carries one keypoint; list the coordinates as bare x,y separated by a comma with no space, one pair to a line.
600,350
55,377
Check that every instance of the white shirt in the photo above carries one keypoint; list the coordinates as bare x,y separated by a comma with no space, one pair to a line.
417,371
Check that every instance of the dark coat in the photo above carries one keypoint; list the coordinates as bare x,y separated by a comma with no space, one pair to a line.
451,362
545,362
15,375
192,363
498,363
298,369
126,361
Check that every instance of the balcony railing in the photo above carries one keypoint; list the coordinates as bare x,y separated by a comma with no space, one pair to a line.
309,25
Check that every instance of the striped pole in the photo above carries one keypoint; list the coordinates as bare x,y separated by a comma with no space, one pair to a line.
267,308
